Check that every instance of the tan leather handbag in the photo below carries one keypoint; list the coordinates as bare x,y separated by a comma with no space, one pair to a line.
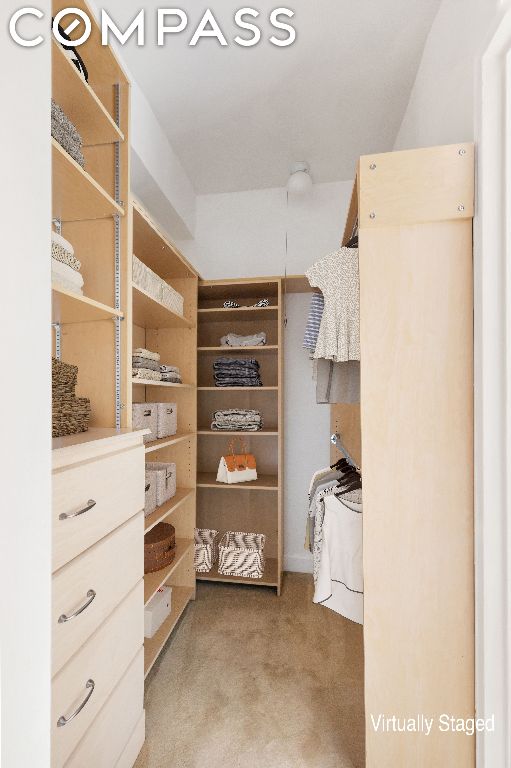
237,467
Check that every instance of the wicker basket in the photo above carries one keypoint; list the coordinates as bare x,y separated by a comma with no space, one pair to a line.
159,547
63,378
167,419
242,554
146,279
163,475
150,496
145,416
70,415
206,549
171,299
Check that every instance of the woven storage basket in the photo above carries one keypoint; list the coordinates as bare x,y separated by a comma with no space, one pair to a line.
159,547
63,378
145,416
242,554
167,419
146,279
150,496
206,549
70,415
171,299
163,474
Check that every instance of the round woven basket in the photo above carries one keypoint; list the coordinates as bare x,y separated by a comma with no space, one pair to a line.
159,547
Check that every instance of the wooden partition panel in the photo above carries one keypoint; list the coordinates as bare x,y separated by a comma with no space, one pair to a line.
417,452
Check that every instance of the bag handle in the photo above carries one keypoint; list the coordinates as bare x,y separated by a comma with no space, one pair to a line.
232,446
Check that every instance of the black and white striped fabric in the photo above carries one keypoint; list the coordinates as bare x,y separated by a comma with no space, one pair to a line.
231,304
263,303
206,549
73,55
242,554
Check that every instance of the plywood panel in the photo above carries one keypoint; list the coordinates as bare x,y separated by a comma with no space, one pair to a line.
345,421
417,424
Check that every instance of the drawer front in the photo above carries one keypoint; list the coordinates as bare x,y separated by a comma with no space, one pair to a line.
110,732
102,660
86,590
110,490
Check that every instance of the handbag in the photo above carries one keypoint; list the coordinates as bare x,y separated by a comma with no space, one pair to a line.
237,467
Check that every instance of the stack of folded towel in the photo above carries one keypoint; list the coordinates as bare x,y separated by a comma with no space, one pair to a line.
63,131
237,372
171,374
237,420
234,340
65,268
146,364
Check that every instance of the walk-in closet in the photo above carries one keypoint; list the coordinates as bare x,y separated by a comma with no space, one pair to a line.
188,627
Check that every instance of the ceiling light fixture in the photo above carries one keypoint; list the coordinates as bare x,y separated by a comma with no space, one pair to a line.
300,180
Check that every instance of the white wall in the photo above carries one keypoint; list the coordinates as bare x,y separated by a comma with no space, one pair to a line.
243,234
442,102
25,295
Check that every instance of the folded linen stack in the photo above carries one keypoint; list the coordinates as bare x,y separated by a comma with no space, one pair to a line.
63,131
237,420
237,372
170,373
65,267
145,364
235,340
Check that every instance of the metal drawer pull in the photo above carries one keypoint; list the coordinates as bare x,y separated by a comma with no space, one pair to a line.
91,595
66,515
65,720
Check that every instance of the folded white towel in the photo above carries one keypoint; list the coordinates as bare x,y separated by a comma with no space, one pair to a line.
56,238
60,282
66,273
141,352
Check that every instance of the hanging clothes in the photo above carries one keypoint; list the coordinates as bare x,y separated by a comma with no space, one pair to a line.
316,308
337,382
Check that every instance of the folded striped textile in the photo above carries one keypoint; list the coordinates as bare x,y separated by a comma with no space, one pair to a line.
237,420
172,378
59,240
66,272
235,340
169,369
63,251
143,362
141,352
146,373
65,285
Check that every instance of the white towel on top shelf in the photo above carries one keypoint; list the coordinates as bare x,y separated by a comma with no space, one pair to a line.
67,273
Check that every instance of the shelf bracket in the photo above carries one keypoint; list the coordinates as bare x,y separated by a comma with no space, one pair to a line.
57,329
117,262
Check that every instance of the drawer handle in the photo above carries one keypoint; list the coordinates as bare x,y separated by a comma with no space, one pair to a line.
66,515
65,720
91,595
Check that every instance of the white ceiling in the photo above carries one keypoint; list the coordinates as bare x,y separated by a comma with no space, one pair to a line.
239,117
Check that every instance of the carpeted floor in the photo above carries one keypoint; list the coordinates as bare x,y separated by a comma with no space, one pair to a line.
251,680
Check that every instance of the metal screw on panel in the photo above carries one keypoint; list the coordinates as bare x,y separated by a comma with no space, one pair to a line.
461,208
372,166
462,152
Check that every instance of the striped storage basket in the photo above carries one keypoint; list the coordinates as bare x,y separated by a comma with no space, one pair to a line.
206,549
242,554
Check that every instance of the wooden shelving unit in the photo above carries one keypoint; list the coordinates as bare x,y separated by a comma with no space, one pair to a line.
174,336
255,506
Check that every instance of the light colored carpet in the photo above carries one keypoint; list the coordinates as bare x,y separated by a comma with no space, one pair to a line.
252,680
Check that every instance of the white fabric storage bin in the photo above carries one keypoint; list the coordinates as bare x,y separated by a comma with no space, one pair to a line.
150,496
206,549
171,299
163,474
146,279
145,416
157,610
167,419
242,554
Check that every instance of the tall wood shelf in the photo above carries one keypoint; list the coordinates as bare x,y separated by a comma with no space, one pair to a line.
174,337
255,506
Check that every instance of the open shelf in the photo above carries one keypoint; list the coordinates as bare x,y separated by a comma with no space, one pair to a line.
81,105
269,579
76,195
221,313
153,581
164,442
259,349
153,646
170,506
151,383
243,433
149,313
263,483
69,307
155,250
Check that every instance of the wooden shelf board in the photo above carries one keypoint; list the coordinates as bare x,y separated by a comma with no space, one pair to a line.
81,105
259,349
220,313
167,509
76,195
164,442
153,581
237,389
70,308
242,289
150,383
243,433
263,483
297,284
148,313
155,249
269,579
153,646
